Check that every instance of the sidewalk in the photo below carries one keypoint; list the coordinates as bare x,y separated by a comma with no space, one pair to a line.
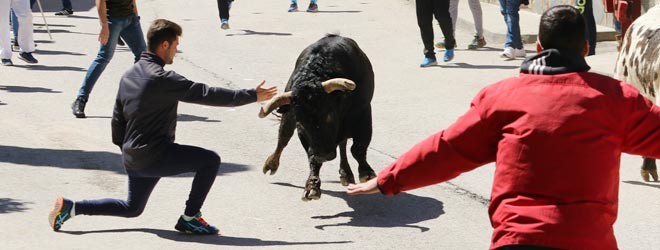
495,28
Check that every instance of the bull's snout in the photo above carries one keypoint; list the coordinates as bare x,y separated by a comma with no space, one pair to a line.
320,158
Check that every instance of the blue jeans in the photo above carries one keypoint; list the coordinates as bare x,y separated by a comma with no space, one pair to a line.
130,31
14,20
509,9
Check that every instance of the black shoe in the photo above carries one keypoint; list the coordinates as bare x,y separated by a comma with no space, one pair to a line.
27,57
313,7
78,107
293,7
120,42
7,62
64,12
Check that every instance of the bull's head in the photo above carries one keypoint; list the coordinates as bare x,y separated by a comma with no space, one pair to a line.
318,115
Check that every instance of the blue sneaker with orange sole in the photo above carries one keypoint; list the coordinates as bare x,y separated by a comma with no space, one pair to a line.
60,213
197,225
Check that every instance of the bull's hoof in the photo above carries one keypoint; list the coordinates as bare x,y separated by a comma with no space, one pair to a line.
271,165
345,180
648,174
313,194
312,189
365,178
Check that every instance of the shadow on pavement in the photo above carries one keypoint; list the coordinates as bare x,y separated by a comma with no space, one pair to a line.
44,41
194,118
54,6
98,117
472,66
22,89
376,210
78,159
252,32
208,239
53,31
339,11
82,17
9,205
648,184
57,52
55,25
50,68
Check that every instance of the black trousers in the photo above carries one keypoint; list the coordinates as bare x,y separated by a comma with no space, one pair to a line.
223,8
177,159
587,10
426,9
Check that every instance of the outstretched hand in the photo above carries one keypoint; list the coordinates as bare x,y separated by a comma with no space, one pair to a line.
368,187
264,94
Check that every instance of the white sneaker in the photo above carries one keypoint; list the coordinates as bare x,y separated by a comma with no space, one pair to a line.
511,53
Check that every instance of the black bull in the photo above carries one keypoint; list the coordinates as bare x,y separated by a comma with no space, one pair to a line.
328,100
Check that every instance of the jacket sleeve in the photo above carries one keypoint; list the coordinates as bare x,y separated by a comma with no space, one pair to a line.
468,143
642,126
178,87
118,124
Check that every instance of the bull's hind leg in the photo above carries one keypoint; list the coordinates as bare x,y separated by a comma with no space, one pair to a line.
361,140
649,169
345,174
287,126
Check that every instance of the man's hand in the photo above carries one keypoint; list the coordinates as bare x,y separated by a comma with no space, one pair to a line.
368,187
104,34
265,94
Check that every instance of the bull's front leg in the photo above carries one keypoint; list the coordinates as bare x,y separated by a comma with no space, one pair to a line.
361,140
287,126
313,185
345,174
649,169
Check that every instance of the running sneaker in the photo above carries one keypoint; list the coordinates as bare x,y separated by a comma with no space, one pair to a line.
64,12
428,62
449,55
27,57
197,225
293,7
313,7
60,213
477,42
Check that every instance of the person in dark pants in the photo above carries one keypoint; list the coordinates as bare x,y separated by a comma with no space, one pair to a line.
426,9
143,126
587,10
223,8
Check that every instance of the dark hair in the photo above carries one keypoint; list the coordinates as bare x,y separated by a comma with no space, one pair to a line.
162,30
562,27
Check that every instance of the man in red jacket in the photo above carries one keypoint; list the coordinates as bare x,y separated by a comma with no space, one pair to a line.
555,132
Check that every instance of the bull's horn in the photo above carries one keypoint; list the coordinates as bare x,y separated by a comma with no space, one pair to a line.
276,102
338,84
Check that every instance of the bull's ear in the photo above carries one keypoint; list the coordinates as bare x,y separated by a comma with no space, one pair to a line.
342,84
276,102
